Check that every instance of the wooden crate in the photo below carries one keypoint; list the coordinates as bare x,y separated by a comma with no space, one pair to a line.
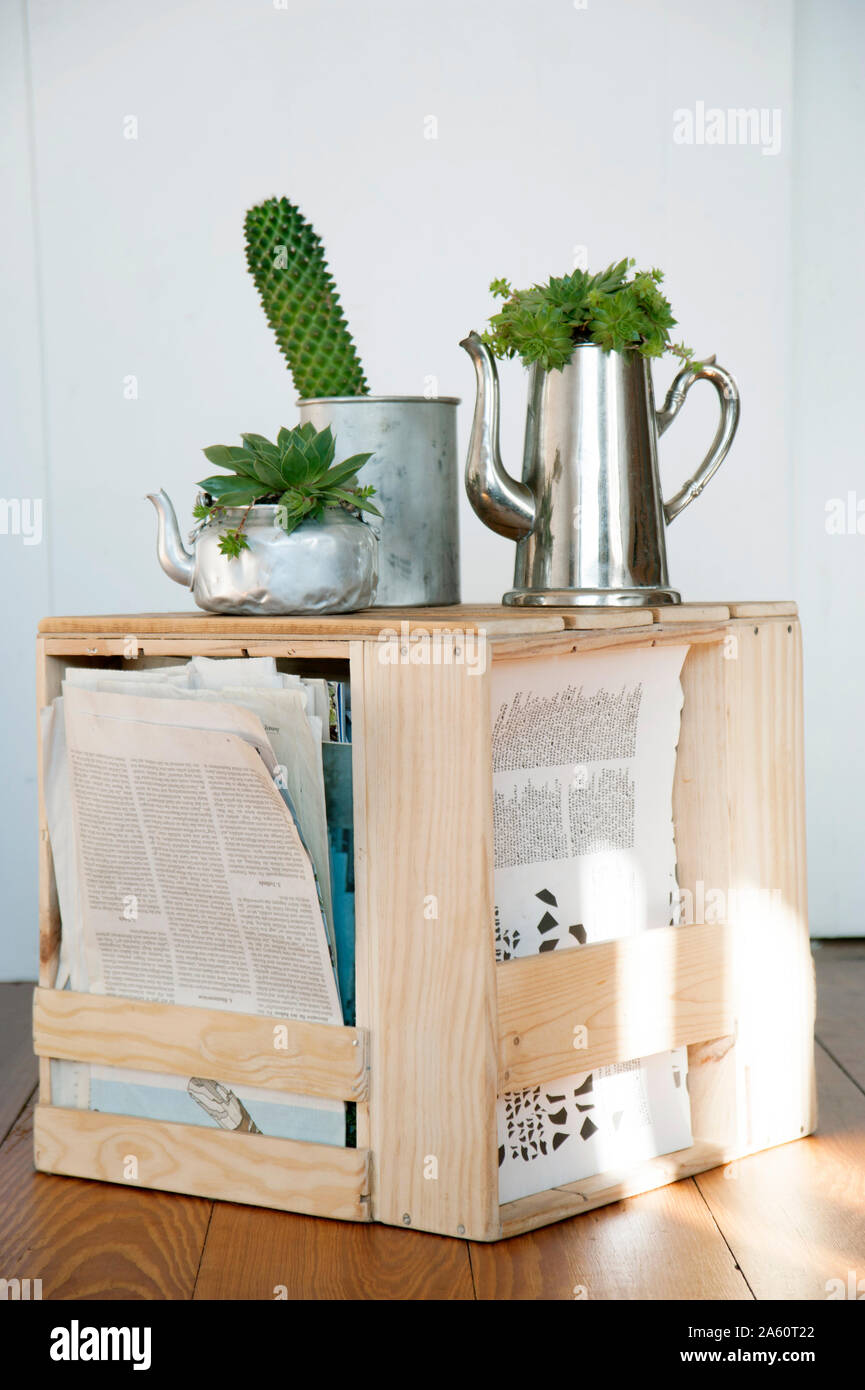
442,1030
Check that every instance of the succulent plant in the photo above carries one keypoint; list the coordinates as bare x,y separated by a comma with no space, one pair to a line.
286,260
297,474
543,324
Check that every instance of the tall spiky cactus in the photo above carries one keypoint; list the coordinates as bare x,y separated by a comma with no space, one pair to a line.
299,297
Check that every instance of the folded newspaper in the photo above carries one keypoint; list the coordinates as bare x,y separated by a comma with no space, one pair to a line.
184,875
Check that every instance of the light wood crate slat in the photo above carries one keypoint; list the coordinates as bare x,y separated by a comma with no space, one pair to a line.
565,643
701,814
126,646
780,608
366,624
673,613
136,645
607,619
427,906
558,1203
775,968
318,1059
48,685
634,997
738,807
286,1174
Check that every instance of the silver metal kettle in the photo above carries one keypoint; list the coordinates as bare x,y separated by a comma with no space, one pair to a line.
329,565
588,516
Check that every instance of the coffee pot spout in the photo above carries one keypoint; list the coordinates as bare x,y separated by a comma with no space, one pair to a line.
502,503
174,558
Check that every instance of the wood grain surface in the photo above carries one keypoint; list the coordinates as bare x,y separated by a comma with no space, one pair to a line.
20,1071
779,1224
286,1174
368,622
88,1241
313,1059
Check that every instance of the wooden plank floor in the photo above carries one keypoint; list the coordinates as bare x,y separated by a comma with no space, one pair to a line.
777,1225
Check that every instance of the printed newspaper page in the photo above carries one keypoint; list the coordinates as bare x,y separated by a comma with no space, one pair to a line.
195,888
584,751
280,702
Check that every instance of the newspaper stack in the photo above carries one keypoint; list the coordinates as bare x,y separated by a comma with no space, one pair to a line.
186,810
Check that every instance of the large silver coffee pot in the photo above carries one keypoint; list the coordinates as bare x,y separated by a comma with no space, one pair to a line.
588,516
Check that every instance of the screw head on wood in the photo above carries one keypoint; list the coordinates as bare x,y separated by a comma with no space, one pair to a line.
406,1219
461,1230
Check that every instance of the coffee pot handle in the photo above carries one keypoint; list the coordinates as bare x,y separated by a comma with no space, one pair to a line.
728,394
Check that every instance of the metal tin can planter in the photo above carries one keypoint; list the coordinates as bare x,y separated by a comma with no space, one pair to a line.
324,566
415,472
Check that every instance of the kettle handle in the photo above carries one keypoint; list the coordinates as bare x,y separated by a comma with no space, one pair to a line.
728,394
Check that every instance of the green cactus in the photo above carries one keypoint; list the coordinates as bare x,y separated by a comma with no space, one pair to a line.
287,263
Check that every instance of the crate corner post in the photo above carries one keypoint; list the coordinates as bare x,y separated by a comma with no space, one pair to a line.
428,925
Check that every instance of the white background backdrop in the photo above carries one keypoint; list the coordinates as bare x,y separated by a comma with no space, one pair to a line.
124,257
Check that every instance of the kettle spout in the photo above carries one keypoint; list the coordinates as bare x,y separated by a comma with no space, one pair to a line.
174,558
505,505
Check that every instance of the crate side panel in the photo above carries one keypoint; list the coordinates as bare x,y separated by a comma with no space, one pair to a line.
427,880
739,814
775,991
